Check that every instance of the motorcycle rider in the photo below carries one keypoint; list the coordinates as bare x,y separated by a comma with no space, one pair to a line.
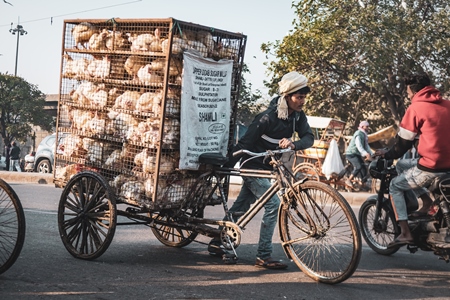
427,116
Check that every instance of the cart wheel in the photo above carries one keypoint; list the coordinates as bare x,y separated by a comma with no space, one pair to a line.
171,235
192,206
87,215
306,170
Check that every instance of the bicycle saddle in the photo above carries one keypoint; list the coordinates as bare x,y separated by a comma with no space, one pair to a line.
213,159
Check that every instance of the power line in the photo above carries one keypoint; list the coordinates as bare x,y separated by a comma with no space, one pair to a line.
63,15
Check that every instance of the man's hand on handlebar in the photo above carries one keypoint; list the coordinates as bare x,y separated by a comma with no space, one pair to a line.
286,143
380,152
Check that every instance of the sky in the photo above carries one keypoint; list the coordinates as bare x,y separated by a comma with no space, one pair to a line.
39,51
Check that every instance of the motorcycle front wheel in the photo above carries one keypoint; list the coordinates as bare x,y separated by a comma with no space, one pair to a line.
378,232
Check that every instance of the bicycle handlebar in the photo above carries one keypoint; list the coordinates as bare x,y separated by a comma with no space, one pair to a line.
266,153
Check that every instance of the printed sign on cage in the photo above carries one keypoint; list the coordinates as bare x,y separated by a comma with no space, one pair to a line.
205,108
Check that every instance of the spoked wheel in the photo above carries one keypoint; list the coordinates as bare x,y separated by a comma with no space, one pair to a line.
192,206
320,232
377,232
12,226
87,215
170,235
306,170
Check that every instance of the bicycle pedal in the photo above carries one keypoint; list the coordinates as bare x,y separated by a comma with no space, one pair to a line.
229,259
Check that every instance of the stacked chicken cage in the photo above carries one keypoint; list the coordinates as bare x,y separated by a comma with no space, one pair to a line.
119,108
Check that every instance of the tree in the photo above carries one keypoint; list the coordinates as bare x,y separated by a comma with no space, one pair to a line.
21,107
356,53
248,106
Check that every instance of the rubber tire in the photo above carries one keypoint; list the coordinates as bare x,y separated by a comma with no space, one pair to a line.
11,212
44,166
309,170
192,206
87,224
321,249
172,236
367,209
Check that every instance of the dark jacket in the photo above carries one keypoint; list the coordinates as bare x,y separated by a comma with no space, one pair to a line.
273,129
14,153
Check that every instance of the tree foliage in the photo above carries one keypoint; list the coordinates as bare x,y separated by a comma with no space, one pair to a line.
248,106
21,107
356,54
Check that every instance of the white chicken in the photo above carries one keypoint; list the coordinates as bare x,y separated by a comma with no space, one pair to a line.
122,123
133,64
127,100
69,66
175,67
119,180
132,190
82,33
147,76
97,124
178,45
146,42
99,68
207,39
82,94
94,150
117,41
99,98
69,144
149,102
98,40
148,187
80,119
114,159
77,67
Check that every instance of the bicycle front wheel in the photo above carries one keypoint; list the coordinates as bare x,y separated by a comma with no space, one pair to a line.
319,232
12,226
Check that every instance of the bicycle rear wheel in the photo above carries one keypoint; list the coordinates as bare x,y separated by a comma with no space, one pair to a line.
12,226
320,232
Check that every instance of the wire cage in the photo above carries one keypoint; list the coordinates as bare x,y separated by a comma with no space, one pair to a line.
120,100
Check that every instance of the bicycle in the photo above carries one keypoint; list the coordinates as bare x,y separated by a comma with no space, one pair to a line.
12,226
318,228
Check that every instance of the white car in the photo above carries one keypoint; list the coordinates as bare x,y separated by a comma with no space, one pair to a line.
3,163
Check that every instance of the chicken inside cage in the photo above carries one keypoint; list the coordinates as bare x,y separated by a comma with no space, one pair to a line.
121,101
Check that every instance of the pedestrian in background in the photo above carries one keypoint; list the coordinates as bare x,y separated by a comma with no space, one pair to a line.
14,153
7,157
358,150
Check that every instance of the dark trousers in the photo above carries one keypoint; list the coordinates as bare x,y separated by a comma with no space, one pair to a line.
358,166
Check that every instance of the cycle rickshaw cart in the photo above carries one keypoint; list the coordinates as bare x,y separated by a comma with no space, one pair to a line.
310,161
119,159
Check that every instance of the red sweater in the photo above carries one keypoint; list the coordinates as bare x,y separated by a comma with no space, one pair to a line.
429,116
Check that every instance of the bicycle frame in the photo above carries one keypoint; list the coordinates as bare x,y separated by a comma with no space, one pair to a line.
280,174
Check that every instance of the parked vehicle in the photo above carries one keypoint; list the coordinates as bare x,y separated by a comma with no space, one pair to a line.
430,232
3,163
45,154
29,162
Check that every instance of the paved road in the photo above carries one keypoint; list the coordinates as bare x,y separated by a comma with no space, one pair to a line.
137,266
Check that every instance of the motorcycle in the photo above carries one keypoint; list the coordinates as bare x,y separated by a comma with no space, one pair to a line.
377,219
29,162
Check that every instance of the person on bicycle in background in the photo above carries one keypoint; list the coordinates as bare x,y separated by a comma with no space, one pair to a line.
427,116
270,130
358,150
